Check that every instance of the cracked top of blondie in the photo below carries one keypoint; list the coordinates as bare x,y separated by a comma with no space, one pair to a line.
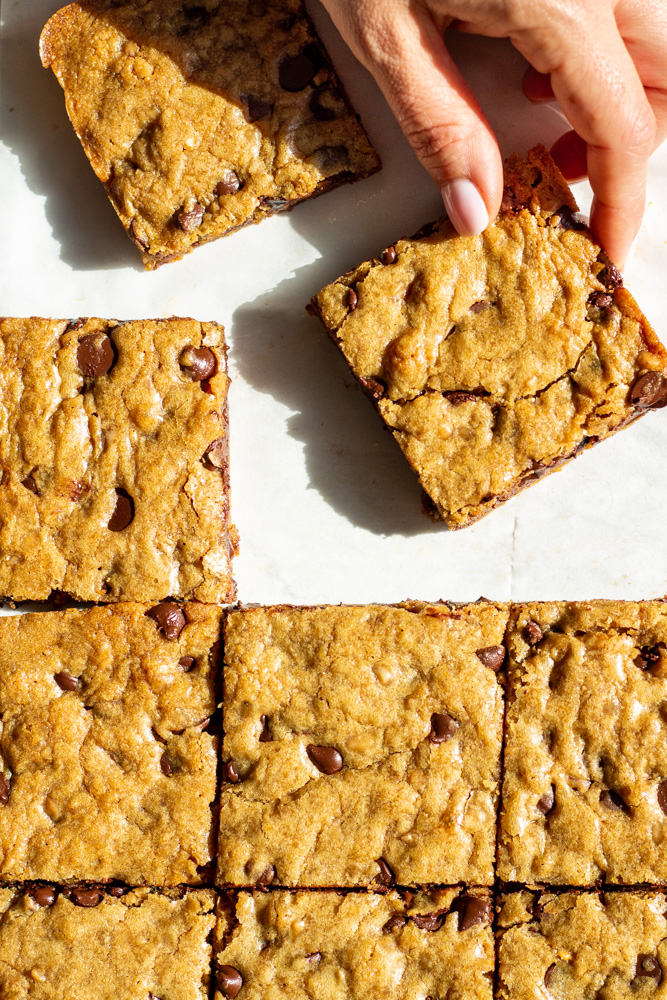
495,358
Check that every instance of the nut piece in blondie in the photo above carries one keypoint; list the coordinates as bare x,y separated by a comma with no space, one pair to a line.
358,945
106,768
496,358
202,118
585,776
577,945
114,480
105,943
362,745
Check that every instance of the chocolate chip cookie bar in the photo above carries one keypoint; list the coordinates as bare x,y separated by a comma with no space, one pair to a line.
109,944
585,766
494,359
361,746
200,118
577,945
107,770
357,945
114,461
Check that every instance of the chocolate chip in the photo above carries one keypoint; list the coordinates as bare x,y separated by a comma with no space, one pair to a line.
169,619
5,786
351,299
326,103
649,657
533,633
137,237
117,891
330,159
229,184
472,911
257,109
189,219
86,897
569,220
429,921
375,387
492,657
326,759
296,72
386,876
610,276
95,355
600,300
389,256
187,662
123,514
30,484
613,801
266,878
426,230
649,391
197,15
230,772
265,735
65,681
547,801
394,922
43,895
215,456
662,796
456,398
649,966
276,204
198,363
549,973
230,981
165,766
443,727
478,307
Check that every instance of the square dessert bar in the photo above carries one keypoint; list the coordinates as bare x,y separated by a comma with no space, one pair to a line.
200,118
106,770
86,943
357,945
494,359
114,477
578,945
361,746
585,773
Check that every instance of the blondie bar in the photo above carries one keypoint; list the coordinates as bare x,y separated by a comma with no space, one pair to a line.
201,118
494,359
578,945
106,944
107,771
113,460
357,945
362,745
585,776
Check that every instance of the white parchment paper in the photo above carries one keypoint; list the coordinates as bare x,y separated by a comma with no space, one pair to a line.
327,508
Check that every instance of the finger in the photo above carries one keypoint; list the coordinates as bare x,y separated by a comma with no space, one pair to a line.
537,86
570,153
439,114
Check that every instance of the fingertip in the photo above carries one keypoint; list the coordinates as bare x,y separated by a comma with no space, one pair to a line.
465,206
537,86
570,153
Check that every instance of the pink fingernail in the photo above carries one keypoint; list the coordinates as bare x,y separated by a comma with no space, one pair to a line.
465,206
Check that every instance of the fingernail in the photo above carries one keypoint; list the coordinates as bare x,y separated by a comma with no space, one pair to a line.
465,206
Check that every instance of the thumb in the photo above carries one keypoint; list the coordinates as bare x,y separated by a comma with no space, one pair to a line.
441,118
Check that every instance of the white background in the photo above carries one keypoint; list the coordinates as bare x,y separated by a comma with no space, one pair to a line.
327,508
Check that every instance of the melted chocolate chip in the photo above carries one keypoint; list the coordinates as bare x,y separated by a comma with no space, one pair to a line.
389,256
229,184
215,456
568,219
265,735
5,786
649,391
429,921
330,159
394,923
649,966
533,633
612,800
165,766
257,109
547,801
117,891
187,220
326,759
549,973
43,895
351,299
326,103
426,230
86,897
374,387
458,397
30,484
123,514
649,657
230,772
472,911
492,657
95,355
169,619
230,981
296,72
266,878
386,875
600,300
187,662
198,363
65,681
662,796
443,727
610,276
478,307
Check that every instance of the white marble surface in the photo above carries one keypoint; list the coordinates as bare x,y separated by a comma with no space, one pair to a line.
327,508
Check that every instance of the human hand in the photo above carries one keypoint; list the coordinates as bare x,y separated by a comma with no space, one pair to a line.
605,61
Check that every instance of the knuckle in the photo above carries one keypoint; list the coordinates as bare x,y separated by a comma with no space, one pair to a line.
639,132
437,145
